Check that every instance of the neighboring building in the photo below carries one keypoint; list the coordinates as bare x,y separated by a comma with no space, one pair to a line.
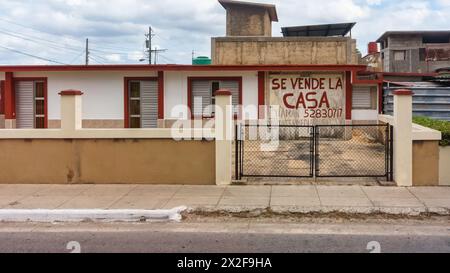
415,51
373,58
249,40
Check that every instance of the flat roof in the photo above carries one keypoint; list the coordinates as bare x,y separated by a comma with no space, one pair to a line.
174,67
325,30
269,7
414,32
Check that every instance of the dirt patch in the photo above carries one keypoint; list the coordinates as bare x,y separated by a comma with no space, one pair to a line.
265,214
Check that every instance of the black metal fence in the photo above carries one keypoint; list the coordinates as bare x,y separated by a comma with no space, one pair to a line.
308,151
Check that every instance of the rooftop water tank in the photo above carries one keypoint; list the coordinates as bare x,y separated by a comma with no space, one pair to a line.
201,60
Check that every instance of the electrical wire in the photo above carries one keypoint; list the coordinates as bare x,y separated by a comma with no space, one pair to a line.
30,55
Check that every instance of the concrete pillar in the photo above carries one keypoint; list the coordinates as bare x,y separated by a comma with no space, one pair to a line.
224,136
71,110
403,146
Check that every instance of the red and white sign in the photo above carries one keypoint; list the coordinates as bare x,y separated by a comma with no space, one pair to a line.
316,98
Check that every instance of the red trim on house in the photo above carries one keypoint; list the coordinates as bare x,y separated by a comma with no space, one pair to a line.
42,79
45,104
71,93
2,97
348,95
130,67
160,94
126,82
261,92
189,91
402,92
9,96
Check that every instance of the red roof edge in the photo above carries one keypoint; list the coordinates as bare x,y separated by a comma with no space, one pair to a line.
134,67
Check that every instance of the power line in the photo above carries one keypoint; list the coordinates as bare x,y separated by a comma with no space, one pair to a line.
30,55
167,58
35,29
51,45
78,56
107,49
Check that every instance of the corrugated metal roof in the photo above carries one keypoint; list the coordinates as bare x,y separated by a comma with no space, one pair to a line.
325,30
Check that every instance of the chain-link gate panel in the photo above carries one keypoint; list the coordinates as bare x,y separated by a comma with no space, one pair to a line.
274,151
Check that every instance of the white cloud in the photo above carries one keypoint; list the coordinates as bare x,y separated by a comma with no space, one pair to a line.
116,28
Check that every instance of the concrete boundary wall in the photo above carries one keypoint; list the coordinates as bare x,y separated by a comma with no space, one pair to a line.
74,155
427,160
107,161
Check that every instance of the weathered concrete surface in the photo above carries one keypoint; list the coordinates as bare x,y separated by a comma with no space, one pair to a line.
103,161
248,21
444,162
281,50
280,199
425,163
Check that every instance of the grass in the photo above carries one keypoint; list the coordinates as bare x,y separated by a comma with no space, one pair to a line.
440,125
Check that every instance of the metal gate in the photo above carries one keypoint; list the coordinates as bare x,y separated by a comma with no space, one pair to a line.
314,151
274,151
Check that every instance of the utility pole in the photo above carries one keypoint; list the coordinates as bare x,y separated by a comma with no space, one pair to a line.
87,51
148,44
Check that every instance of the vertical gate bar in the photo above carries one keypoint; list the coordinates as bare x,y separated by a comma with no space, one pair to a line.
316,143
391,153
236,153
386,151
241,144
311,153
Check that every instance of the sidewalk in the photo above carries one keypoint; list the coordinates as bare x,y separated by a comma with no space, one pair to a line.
302,199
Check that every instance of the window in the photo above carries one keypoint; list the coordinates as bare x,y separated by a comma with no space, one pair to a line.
437,39
30,102
142,103
214,87
135,105
364,98
422,54
399,55
39,105
202,95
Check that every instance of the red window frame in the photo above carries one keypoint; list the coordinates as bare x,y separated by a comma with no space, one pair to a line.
41,79
2,97
212,78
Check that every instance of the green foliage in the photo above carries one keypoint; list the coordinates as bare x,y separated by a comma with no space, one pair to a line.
440,125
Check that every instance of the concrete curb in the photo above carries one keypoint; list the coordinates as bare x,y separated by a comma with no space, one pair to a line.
77,215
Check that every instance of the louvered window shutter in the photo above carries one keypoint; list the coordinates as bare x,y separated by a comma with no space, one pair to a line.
24,104
149,104
201,98
361,97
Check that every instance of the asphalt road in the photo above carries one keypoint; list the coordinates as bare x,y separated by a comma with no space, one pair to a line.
220,237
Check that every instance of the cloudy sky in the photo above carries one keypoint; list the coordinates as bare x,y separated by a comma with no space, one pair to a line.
55,30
